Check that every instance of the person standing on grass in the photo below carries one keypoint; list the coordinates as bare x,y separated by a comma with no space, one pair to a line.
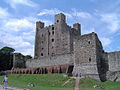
5,81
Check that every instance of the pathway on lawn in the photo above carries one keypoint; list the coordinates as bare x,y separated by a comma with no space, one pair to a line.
11,88
77,83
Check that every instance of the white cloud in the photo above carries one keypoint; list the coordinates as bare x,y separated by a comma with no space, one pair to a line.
15,3
112,20
28,51
86,31
74,13
3,13
47,22
11,34
29,36
18,43
15,41
18,25
105,41
81,14
53,12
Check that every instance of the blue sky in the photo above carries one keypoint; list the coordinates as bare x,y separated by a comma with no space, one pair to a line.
18,17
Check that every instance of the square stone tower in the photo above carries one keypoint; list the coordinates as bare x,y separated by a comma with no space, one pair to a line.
55,39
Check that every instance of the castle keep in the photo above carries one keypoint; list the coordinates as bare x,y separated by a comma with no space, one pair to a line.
62,48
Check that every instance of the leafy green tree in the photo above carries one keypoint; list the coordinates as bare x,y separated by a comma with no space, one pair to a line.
28,56
6,58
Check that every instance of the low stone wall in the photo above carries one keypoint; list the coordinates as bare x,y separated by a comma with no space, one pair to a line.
50,61
87,70
113,76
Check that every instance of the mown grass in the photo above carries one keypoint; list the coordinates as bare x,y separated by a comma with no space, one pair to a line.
55,81
88,83
41,81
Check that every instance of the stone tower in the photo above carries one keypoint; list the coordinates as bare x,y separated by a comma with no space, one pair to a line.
55,39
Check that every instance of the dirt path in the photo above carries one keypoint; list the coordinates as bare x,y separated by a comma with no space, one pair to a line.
77,83
11,88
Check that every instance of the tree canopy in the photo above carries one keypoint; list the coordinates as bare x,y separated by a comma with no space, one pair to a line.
6,58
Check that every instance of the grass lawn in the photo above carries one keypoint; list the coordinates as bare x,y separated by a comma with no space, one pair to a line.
41,81
55,81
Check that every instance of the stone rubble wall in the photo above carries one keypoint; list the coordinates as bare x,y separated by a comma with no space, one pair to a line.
50,61
114,61
113,73
19,61
85,55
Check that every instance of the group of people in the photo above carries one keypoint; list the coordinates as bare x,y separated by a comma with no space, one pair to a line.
97,86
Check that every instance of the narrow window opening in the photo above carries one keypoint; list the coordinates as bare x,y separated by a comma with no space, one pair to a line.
49,33
42,35
89,59
89,42
52,28
57,21
41,54
42,48
53,32
52,40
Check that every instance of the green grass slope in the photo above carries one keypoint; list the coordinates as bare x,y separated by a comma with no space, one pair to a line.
55,81
41,81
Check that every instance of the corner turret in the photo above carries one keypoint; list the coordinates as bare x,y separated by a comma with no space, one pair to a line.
39,24
77,26
60,18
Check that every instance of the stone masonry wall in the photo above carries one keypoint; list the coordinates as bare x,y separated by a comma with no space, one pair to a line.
19,60
114,61
50,61
113,73
85,56
55,39
102,60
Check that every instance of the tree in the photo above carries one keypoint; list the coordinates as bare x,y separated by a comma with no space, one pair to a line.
28,56
6,58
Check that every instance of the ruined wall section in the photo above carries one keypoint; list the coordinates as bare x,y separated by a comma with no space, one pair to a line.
75,33
42,42
102,60
113,73
50,61
114,61
19,61
85,56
